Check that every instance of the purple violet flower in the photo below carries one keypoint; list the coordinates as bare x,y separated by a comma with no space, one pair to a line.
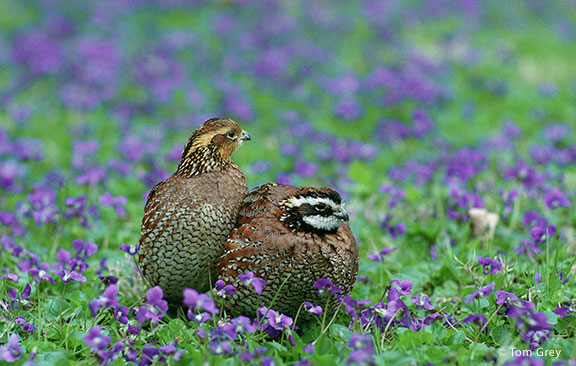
532,326
223,290
324,285
76,207
289,149
243,324
117,202
249,279
514,306
12,351
155,307
199,302
526,174
18,301
529,320
362,350
284,178
348,109
305,169
39,272
10,276
527,247
256,357
130,249
37,51
422,302
353,306
535,338
21,321
555,198
422,123
220,347
134,329
96,340
121,314
404,287
480,319
106,299
563,279
92,176
260,166
563,312
379,257
159,72
397,194
537,278
451,321
12,174
309,348
482,292
152,354
68,276
525,361
541,234
276,323
394,312
489,265
465,164
84,249
533,218
236,105
394,230
42,208
313,309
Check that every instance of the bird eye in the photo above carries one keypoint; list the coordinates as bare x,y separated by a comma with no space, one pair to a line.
231,133
321,207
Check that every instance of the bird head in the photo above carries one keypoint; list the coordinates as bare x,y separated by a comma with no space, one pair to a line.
213,142
319,210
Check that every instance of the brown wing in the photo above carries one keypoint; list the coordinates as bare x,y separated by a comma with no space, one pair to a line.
165,197
286,259
185,227
259,202
151,205
260,232
164,201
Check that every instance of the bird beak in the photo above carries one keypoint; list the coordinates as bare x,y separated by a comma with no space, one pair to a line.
245,136
341,214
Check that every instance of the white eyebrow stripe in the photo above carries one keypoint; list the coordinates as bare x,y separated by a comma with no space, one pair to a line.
299,201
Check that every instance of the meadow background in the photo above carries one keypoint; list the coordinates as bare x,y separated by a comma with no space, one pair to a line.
416,111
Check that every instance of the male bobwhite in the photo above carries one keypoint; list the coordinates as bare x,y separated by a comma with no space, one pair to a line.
291,237
189,216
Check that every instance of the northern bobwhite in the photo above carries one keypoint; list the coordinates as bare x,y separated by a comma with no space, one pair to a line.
291,237
189,216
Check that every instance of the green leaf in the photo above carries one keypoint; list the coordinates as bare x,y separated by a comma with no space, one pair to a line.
551,317
52,359
501,335
324,345
341,331
411,339
359,172
457,338
324,360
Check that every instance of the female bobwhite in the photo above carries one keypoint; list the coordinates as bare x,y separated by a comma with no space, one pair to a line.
291,237
189,216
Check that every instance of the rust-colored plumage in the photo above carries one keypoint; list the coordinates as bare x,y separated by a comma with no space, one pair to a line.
291,237
188,216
